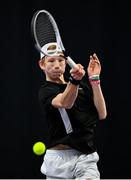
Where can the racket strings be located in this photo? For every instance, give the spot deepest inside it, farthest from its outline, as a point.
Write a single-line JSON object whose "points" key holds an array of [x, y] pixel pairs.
{"points": [[44, 30]]}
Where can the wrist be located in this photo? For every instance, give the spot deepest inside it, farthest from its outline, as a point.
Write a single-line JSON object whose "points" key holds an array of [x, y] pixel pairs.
{"points": [[94, 79], [74, 81]]}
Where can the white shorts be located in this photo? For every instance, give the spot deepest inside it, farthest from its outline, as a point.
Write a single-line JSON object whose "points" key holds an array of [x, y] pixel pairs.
{"points": [[70, 164]]}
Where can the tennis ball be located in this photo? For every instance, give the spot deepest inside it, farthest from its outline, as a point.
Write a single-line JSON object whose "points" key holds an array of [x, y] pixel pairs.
{"points": [[39, 148]]}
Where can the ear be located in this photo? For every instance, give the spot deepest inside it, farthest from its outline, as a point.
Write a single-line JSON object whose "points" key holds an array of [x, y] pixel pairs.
{"points": [[41, 64]]}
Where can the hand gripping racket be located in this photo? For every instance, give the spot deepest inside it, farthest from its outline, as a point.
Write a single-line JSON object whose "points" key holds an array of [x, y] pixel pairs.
{"points": [[46, 36]]}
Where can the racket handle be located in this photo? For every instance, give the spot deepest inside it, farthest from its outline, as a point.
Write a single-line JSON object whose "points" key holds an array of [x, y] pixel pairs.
{"points": [[71, 63]]}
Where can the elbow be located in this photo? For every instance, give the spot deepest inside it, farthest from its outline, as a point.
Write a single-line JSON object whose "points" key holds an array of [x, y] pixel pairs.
{"points": [[103, 116], [62, 105], [68, 106]]}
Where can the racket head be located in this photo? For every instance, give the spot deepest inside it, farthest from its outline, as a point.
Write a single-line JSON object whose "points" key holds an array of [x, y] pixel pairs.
{"points": [[45, 34]]}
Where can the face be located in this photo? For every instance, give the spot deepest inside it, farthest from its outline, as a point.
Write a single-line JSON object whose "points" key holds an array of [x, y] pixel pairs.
{"points": [[54, 67]]}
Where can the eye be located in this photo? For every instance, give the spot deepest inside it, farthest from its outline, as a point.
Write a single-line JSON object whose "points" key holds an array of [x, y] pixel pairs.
{"points": [[51, 60], [61, 60]]}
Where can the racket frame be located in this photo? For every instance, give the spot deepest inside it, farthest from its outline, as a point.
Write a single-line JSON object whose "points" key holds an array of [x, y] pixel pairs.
{"points": [[58, 43]]}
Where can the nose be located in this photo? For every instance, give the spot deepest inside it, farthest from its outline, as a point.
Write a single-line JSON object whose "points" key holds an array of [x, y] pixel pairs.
{"points": [[57, 65]]}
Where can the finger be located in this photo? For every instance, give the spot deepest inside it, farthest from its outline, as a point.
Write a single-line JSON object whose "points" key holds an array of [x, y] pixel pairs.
{"points": [[73, 70], [80, 66], [92, 62], [91, 57], [95, 57], [78, 73]]}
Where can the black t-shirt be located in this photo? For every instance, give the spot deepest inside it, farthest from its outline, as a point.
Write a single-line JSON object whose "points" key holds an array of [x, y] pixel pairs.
{"points": [[74, 127]]}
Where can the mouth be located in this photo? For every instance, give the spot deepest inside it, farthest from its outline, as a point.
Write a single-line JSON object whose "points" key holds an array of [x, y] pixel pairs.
{"points": [[57, 73]]}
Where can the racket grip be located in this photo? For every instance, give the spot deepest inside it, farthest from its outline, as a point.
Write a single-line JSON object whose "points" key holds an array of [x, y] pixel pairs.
{"points": [[71, 63]]}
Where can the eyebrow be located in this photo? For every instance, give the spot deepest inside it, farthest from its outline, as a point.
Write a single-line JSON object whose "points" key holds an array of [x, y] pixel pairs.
{"points": [[54, 57]]}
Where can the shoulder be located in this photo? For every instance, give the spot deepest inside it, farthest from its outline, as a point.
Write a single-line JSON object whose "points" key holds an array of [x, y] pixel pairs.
{"points": [[48, 85], [49, 89]]}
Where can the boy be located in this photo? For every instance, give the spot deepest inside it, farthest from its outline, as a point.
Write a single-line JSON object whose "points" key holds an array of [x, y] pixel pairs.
{"points": [[72, 110]]}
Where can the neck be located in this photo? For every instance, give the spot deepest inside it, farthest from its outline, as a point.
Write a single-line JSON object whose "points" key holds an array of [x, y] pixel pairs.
{"points": [[59, 80]]}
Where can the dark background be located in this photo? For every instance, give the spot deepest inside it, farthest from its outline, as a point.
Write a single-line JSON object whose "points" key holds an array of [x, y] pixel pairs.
{"points": [[86, 27]]}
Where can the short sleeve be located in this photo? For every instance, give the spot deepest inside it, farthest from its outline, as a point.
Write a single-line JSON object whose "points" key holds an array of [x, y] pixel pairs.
{"points": [[46, 95]]}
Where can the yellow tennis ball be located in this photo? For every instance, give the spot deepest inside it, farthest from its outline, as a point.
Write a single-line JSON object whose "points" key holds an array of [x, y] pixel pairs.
{"points": [[39, 148]]}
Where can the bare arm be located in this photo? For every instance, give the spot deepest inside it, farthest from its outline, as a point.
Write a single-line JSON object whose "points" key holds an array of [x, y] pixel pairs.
{"points": [[94, 69], [68, 97], [99, 101]]}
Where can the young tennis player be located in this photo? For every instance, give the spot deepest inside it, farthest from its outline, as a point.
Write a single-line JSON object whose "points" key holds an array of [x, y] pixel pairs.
{"points": [[72, 110]]}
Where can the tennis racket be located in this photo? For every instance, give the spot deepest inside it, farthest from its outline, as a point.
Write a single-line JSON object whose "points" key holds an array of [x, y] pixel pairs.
{"points": [[46, 36]]}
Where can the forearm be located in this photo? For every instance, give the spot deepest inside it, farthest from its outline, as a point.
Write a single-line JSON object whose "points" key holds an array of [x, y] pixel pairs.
{"points": [[99, 101], [67, 98], [69, 95], [94, 70]]}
